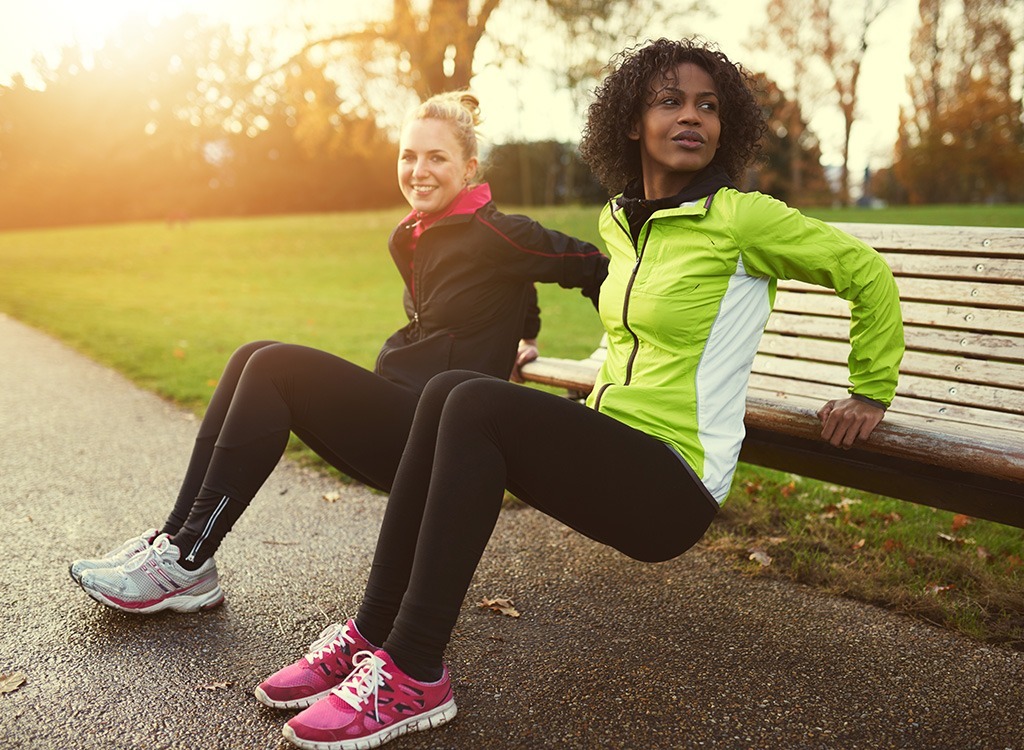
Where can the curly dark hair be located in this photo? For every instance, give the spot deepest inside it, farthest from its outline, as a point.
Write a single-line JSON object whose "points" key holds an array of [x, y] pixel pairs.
{"points": [[621, 98]]}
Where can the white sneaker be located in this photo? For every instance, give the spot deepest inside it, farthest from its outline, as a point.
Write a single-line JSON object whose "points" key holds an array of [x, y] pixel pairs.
{"points": [[153, 581], [117, 556]]}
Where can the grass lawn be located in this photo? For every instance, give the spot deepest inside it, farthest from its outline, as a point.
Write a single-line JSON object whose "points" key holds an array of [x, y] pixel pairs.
{"points": [[166, 305]]}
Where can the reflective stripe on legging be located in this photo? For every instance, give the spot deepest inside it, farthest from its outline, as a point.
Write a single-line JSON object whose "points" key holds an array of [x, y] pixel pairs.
{"points": [[208, 528]]}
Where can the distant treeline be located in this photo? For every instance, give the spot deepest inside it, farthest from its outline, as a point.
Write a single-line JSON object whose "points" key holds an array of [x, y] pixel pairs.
{"points": [[169, 122], [180, 120]]}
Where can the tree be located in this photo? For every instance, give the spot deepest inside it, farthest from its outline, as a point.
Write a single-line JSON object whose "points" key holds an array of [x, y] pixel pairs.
{"points": [[426, 48], [962, 138], [791, 167], [541, 173], [833, 37], [165, 122]]}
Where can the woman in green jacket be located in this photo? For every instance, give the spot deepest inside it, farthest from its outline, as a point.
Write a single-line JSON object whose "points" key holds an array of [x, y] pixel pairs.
{"points": [[645, 464]]}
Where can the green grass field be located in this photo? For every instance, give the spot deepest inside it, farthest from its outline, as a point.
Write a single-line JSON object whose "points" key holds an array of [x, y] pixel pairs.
{"points": [[166, 305]]}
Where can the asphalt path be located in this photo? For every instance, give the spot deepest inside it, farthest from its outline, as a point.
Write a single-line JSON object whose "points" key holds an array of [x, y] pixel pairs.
{"points": [[607, 652]]}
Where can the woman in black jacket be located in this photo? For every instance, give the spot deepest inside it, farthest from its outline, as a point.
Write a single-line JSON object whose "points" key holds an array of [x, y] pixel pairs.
{"points": [[469, 272]]}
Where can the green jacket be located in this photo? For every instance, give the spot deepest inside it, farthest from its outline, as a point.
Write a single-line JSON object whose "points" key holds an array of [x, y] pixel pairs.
{"points": [[685, 308]]}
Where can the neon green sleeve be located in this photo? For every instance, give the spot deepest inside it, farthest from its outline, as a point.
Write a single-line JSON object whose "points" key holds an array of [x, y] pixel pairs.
{"points": [[778, 241]]}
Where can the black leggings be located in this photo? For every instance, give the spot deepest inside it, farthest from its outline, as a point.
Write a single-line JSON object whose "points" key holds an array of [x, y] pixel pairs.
{"points": [[356, 420], [472, 437]]}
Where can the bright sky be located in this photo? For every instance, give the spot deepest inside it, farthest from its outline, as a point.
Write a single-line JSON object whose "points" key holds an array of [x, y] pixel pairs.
{"points": [[528, 108]]}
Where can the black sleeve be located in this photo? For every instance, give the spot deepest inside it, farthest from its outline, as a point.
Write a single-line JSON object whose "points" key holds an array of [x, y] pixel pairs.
{"points": [[533, 252], [531, 323]]}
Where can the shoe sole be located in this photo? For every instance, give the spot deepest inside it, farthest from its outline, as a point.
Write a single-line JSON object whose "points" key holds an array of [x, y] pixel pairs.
{"points": [[179, 603], [430, 720], [266, 700]]}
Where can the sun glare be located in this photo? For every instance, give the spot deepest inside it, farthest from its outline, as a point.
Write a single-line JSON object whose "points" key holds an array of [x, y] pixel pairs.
{"points": [[90, 24], [87, 24]]}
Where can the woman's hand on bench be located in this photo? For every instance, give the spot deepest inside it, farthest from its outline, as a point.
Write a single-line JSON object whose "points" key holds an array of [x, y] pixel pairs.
{"points": [[528, 351], [845, 421]]}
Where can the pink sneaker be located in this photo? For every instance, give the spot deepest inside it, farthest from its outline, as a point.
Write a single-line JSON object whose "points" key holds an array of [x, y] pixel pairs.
{"points": [[328, 662], [377, 703]]}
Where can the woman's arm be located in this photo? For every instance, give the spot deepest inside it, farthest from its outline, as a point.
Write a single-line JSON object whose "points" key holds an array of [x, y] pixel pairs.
{"points": [[532, 252], [790, 245]]}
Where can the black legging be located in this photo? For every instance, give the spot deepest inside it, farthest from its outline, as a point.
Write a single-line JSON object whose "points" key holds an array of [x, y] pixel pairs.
{"points": [[356, 420], [472, 437]]}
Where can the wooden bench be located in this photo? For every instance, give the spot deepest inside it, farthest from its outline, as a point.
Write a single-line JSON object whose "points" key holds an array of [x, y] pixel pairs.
{"points": [[954, 436]]}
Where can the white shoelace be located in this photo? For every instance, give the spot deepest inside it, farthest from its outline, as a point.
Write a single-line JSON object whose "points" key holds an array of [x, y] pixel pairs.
{"points": [[329, 639], [156, 549], [368, 677]]}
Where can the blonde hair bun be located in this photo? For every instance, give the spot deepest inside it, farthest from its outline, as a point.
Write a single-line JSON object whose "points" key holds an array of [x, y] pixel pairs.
{"points": [[461, 109]]}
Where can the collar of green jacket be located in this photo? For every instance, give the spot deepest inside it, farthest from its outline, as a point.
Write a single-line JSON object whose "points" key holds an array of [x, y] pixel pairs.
{"points": [[638, 209]]}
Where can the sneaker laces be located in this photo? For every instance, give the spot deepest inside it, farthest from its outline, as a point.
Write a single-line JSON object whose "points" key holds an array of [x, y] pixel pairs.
{"points": [[328, 641], [156, 549], [368, 677]]}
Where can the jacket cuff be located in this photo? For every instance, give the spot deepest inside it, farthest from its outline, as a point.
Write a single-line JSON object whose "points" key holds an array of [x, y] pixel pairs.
{"points": [[871, 401]]}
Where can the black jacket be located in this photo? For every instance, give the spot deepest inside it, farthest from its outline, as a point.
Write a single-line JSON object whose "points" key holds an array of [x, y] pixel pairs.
{"points": [[469, 291]]}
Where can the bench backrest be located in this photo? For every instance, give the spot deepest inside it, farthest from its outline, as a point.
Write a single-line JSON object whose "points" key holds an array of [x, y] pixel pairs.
{"points": [[962, 297]]}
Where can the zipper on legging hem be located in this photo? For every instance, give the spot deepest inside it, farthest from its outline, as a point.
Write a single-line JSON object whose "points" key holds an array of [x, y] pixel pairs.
{"points": [[208, 528]]}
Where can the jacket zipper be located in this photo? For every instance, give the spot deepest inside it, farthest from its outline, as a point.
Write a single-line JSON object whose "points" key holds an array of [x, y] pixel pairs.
{"points": [[416, 287], [625, 308], [379, 365]]}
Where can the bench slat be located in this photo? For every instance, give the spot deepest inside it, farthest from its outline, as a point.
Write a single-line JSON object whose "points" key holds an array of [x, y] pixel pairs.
{"points": [[799, 372], [925, 364], [986, 345], [937, 291], [898, 435], [914, 313], [954, 415], [965, 490], [986, 241], [571, 374], [957, 267]]}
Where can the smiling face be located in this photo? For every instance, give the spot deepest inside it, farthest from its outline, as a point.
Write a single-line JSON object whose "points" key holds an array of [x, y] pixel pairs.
{"points": [[678, 130], [432, 168]]}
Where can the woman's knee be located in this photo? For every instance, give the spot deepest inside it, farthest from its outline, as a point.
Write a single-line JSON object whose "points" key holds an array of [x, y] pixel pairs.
{"points": [[273, 356], [453, 393], [439, 387], [244, 353]]}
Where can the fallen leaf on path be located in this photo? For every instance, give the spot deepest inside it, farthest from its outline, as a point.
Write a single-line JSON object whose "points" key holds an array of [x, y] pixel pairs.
{"points": [[760, 556], [501, 605], [11, 682], [216, 686]]}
